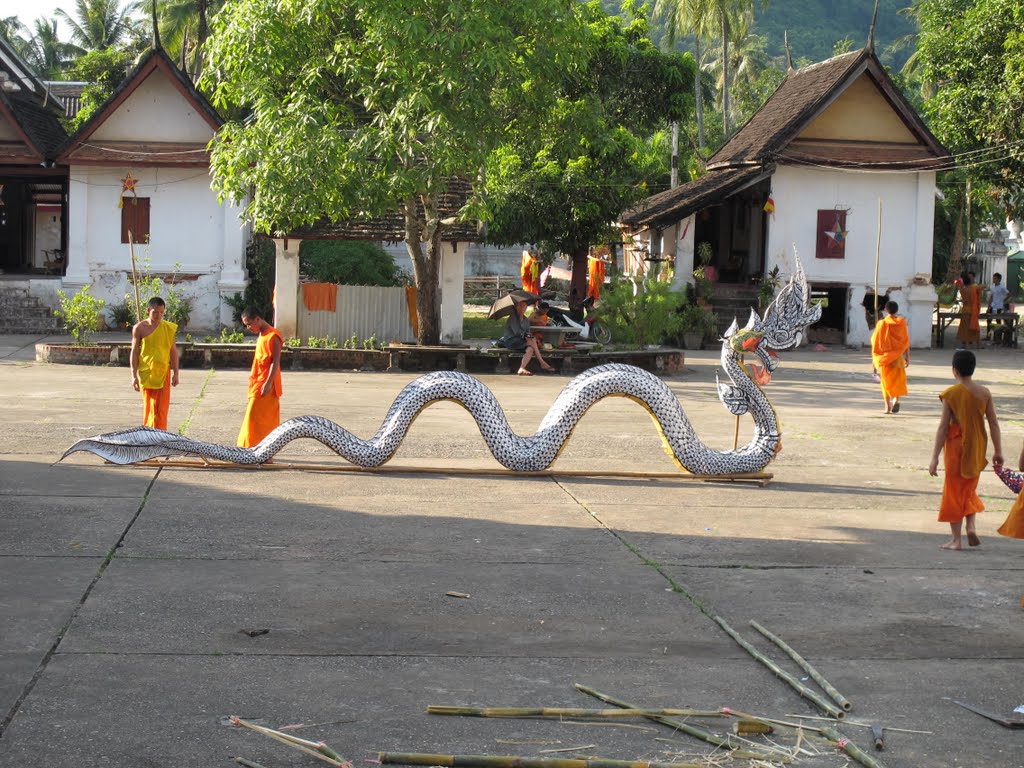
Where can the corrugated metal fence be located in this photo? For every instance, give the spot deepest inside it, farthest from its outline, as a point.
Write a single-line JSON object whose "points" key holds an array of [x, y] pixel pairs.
{"points": [[361, 310]]}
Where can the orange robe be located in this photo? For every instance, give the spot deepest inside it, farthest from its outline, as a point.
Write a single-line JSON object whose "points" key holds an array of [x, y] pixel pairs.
{"points": [[964, 455], [263, 412], [155, 374], [530, 273], [888, 343], [1014, 524], [595, 271], [968, 331]]}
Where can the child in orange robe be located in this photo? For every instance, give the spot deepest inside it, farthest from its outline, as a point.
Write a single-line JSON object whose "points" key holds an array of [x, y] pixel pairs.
{"points": [[154, 363], [961, 435], [263, 412], [890, 353]]}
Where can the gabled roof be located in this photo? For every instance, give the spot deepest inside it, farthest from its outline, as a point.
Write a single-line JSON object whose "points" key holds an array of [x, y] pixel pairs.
{"points": [[141, 153], [22, 75], [39, 128], [805, 94], [679, 202]]}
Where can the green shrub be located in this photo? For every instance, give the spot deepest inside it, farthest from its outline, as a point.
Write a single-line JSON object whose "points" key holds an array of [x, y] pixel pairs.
{"points": [[179, 306], [260, 262], [348, 262], [122, 315], [642, 314], [80, 314]]}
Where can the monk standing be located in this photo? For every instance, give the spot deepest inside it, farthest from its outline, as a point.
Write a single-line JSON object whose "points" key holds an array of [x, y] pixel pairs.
{"points": [[961, 434], [969, 330], [263, 413], [890, 353], [1013, 526], [154, 362]]}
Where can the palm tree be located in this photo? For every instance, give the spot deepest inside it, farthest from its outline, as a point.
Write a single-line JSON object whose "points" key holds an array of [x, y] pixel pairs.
{"points": [[47, 54], [184, 27], [747, 60], [683, 18], [99, 24]]}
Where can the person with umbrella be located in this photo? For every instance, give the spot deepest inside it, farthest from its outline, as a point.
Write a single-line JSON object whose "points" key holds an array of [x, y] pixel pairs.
{"points": [[518, 336]]}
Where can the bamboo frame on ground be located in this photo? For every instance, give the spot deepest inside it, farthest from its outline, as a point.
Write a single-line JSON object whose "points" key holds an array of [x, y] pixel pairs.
{"points": [[441, 709]]}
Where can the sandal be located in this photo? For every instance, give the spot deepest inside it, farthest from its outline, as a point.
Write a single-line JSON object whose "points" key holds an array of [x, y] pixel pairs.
{"points": [[523, 372]]}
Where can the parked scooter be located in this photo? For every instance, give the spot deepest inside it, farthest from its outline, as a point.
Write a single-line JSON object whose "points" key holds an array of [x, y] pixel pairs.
{"points": [[585, 319]]}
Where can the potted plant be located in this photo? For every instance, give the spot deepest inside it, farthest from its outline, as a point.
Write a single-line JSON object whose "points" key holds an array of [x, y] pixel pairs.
{"points": [[696, 323]]}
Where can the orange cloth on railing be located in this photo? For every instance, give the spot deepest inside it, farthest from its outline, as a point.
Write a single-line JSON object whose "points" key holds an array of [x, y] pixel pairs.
{"points": [[322, 297], [414, 319], [595, 270], [530, 272]]}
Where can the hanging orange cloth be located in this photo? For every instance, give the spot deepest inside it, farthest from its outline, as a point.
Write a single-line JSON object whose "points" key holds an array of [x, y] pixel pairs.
{"points": [[322, 297], [530, 273], [410, 300], [595, 272]]}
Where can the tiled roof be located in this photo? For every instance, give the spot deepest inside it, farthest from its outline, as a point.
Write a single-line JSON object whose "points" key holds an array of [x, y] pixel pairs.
{"points": [[678, 203], [40, 124]]}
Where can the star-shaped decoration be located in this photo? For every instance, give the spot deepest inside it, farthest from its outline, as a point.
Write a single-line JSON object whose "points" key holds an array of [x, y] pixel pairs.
{"points": [[836, 235], [128, 183]]}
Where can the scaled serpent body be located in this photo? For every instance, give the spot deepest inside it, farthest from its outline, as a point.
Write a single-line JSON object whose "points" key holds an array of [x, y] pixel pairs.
{"points": [[781, 328]]}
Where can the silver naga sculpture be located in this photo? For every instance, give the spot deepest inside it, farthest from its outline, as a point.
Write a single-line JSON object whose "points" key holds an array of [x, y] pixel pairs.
{"points": [[781, 328]]}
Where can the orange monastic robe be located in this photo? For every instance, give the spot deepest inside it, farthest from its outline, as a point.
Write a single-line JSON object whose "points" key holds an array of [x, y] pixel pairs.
{"points": [[263, 413], [595, 271], [530, 273], [968, 331], [1014, 524], [964, 459], [155, 374], [888, 343]]}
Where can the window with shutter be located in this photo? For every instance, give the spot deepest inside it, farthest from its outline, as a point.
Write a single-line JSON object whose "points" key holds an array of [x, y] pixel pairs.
{"points": [[135, 219]]}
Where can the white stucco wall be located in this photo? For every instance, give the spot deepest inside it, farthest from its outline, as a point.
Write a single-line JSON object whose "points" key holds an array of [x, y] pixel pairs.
{"points": [[155, 111], [907, 222], [187, 225]]}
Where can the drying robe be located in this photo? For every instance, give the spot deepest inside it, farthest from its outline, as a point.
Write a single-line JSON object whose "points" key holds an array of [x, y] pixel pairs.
{"points": [[155, 374], [263, 412], [889, 341], [964, 455]]}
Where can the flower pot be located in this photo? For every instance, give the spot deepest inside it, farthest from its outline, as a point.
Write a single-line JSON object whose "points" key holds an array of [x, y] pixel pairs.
{"points": [[692, 339]]}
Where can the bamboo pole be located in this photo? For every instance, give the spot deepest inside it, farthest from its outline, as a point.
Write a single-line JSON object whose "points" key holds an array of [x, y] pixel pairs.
{"points": [[440, 709], [858, 754], [135, 278], [816, 676], [510, 761], [813, 696], [247, 763], [315, 749], [679, 725], [794, 726], [878, 256]]}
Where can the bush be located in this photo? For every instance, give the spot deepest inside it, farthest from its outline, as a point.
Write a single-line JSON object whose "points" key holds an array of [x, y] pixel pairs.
{"points": [[80, 314], [642, 314], [260, 262], [348, 262], [179, 306]]}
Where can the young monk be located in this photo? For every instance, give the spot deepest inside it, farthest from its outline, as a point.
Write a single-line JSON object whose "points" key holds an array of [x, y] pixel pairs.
{"points": [[263, 413], [1013, 526], [961, 434], [890, 352], [154, 362]]}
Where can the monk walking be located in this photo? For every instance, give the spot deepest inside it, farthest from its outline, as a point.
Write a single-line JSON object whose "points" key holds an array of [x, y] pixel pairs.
{"points": [[154, 361], [969, 330], [890, 353], [961, 435], [263, 413]]}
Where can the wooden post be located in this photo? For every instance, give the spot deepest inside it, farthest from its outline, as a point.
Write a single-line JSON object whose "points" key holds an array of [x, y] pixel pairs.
{"points": [[135, 277]]}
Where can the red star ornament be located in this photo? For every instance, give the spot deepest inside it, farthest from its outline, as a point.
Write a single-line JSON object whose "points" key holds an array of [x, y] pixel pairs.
{"points": [[127, 185], [836, 235]]}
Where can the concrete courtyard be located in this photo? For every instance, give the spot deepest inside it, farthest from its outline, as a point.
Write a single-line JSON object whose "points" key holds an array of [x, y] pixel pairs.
{"points": [[134, 599]]}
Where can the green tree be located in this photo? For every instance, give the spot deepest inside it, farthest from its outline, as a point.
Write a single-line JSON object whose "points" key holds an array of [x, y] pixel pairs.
{"points": [[104, 70], [46, 53], [184, 28], [562, 187], [99, 24], [361, 109], [974, 51]]}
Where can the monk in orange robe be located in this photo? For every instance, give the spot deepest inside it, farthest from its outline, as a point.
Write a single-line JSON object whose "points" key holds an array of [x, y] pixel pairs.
{"points": [[1013, 526], [966, 406], [890, 353], [154, 363], [263, 413], [969, 330]]}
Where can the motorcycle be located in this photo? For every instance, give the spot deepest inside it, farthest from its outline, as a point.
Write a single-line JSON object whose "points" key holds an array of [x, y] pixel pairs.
{"points": [[584, 319]]}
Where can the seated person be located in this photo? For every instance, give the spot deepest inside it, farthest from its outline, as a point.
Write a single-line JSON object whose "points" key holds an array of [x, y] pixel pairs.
{"points": [[540, 317], [518, 337]]}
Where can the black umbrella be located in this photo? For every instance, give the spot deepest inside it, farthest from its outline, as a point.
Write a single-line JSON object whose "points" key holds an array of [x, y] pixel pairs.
{"points": [[505, 306]]}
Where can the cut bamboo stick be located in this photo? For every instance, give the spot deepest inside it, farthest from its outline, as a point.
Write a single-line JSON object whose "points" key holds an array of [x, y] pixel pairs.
{"points": [[816, 676], [316, 749], [679, 725], [813, 696], [858, 754], [441, 709], [858, 723], [510, 761], [247, 763], [773, 721]]}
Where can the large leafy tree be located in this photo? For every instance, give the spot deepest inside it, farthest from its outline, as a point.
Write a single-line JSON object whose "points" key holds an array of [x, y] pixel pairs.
{"points": [[563, 185], [973, 50], [362, 109]]}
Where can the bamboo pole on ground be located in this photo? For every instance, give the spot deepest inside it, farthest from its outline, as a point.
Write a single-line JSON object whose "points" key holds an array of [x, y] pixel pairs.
{"points": [[816, 676], [440, 709], [679, 725], [813, 696], [315, 749], [511, 761], [247, 763], [851, 749]]}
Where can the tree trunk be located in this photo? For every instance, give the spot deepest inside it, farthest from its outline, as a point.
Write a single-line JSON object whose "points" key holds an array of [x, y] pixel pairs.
{"points": [[699, 97], [425, 271], [578, 281], [202, 32], [725, 75]]}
